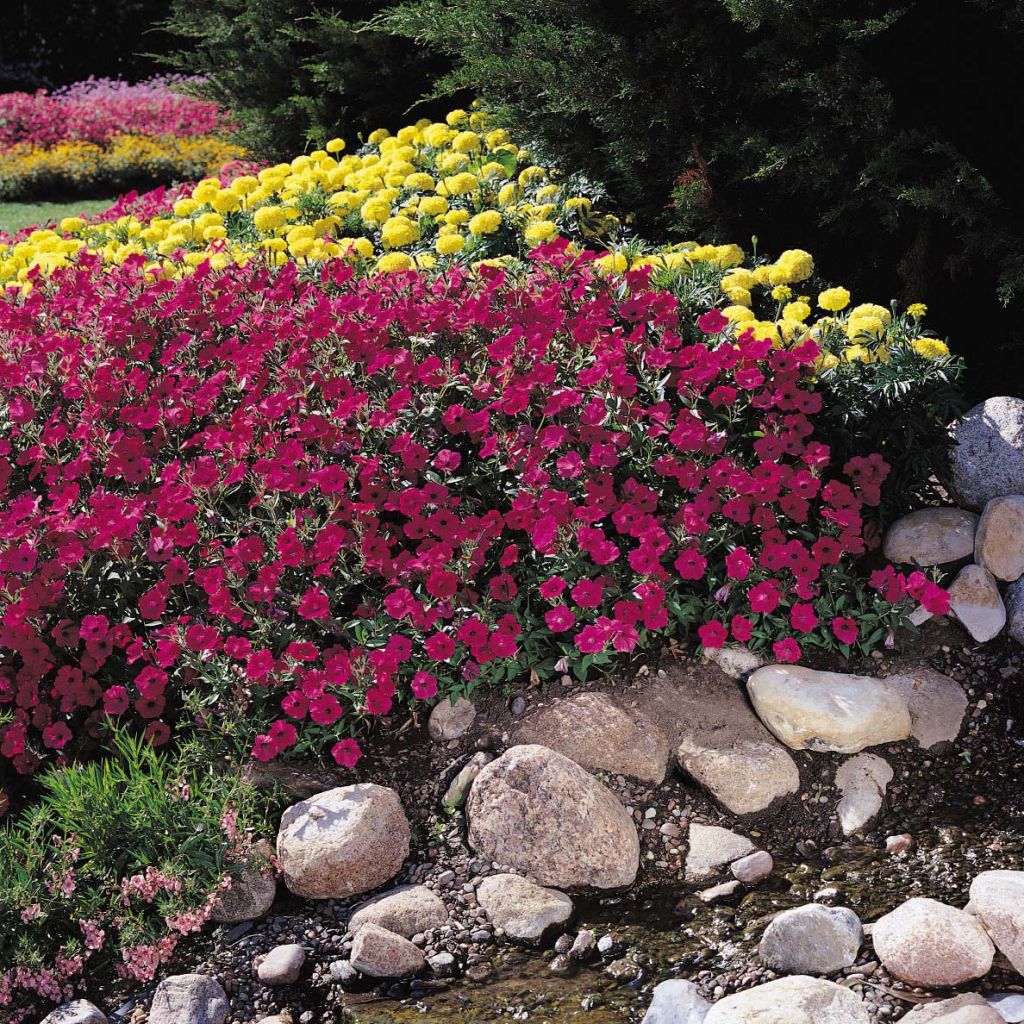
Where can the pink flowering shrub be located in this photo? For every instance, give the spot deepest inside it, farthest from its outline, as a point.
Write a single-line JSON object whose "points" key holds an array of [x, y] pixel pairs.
{"points": [[98, 109], [112, 867], [289, 501]]}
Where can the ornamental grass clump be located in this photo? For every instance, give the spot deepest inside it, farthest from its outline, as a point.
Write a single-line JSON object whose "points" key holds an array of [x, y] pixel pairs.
{"points": [[281, 503]]}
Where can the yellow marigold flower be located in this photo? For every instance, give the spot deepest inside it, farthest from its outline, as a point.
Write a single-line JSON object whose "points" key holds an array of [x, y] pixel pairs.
{"points": [[917, 310], [419, 181], [866, 323], [433, 206], [450, 243], [612, 263], [398, 232], [540, 231], [826, 361], [456, 217], [335, 145], [857, 353], [438, 135], [509, 194], [70, 225], [737, 296], [496, 138], [360, 246], [930, 348], [870, 309], [796, 311], [375, 211], [738, 278], [531, 174], [738, 314], [184, 207], [457, 117], [457, 185], [395, 261], [466, 142], [834, 299], [269, 218], [485, 223], [375, 138]]}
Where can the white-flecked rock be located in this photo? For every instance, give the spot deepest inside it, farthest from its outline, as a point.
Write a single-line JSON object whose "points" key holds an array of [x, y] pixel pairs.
{"points": [[811, 939], [999, 543], [997, 900], [79, 1011], [449, 721], [969, 1008], [931, 536], [282, 965], [1015, 610], [676, 1002], [711, 848], [736, 662], [406, 911], [797, 999], [753, 868], [378, 953], [936, 703], [599, 734], [191, 998], [745, 776], [862, 781], [809, 709], [987, 458], [975, 601], [924, 942], [526, 911], [343, 842], [251, 894], [537, 812]]}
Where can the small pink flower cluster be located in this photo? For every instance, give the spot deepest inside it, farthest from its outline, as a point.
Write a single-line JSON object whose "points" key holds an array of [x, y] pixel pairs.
{"points": [[96, 110]]}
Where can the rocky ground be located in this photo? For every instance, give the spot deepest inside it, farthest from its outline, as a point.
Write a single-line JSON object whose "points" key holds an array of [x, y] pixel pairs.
{"points": [[723, 827]]}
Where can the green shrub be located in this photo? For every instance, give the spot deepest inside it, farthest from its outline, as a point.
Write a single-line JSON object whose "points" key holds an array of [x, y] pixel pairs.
{"points": [[117, 860], [294, 72]]}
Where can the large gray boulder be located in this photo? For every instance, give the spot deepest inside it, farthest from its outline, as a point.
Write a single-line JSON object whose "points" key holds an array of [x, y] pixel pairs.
{"points": [[969, 1008], [931, 536], [999, 543], [810, 709], [188, 999], [936, 703], [406, 911], [676, 1002], [343, 842], [997, 899], [988, 452], [599, 734], [794, 1000], [536, 812], [525, 911], [811, 939], [927, 943]]}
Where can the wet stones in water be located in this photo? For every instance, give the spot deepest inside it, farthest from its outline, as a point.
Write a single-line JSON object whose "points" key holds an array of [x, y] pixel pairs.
{"points": [[719, 892], [811, 939], [449, 721], [676, 1002], [406, 911], [970, 1008], [987, 458], [343, 842], [712, 847], [810, 709], [899, 845], [188, 997], [999, 544], [525, 911], [997, 899], [793, 1000], [931, 536], [380, 953], [753, 868], [975, 601], [862, 781], [456, 794], [924, 942], [584, 946], [80, 1011], [537, 812], [442, 964], [599, 734], [282, 965]]}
